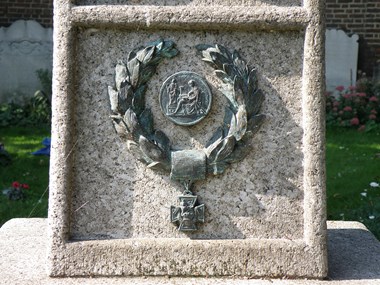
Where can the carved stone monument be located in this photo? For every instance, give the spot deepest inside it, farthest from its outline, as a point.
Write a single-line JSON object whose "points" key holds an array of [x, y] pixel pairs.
{"points": [[188, 139]]}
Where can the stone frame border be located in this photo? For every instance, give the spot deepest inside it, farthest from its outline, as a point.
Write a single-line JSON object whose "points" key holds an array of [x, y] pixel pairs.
{"points": [[269, 258]]}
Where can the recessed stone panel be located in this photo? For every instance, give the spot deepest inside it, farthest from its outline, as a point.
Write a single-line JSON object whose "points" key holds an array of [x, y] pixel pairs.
{"points": [[112, 211]]}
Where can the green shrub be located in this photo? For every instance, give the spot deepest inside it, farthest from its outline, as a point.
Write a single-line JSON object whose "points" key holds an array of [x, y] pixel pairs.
{"points": [[357, 107], [36, 111]]}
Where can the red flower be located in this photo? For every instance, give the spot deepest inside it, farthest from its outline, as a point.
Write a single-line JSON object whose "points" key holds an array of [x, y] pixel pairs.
{"points": [[336, 103], [362, 94], [373, 99], [25, 186], [352, 88], [372, 117], [361, 128], [339, 88], [15, 184], [354, 121], [347, 109]]}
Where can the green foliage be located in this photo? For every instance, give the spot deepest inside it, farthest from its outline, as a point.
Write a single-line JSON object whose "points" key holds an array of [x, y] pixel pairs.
{"points": [[357, 107], [352, 162], [35, 112], [19, 142]]}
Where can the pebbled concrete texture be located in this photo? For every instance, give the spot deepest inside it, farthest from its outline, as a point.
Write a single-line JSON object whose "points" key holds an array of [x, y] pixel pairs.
{"points": [[108, 213], [354, 259]]}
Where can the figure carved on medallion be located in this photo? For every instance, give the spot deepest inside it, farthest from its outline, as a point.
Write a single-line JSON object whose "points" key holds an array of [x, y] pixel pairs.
{"points": [[185, 98]]}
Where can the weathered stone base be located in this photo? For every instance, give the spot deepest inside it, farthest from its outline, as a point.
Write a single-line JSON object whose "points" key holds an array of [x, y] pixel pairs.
{"points": [[354, 258]]}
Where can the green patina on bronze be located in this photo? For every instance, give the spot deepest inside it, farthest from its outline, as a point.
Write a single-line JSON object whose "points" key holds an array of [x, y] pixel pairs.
{"points": [[229, 143]]}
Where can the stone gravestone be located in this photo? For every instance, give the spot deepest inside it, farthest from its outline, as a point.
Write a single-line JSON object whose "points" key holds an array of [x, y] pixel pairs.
{"points": [[341, 59], [25, 47], [188, 139]]}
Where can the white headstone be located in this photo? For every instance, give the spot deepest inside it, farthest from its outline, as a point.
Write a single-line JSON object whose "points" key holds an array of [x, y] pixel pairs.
{"points": [[341, 58], [25, 47]]}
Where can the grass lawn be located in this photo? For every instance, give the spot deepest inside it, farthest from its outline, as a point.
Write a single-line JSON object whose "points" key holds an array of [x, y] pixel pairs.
{"points": [[353, 163], [25, 168]]}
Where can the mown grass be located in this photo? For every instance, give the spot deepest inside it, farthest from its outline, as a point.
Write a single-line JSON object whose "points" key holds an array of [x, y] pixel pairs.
{"points": [[353, 163], [25, 168]]}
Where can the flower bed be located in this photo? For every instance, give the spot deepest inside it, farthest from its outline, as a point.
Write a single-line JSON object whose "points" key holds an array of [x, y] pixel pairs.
{"points": [[357, 106]]}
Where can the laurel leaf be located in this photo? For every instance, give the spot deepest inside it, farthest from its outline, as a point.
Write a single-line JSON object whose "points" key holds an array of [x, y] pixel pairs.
{"points": [[138, 101], [114, 99], [241, 123], [151, 150], [168, 49], [132, 123], [255, 122], [238, 90], [146, 121], [162, 141], [146, 73], [213, 150], [214, 144], [218, 59], [120, 74], [217, 136], [126, 95], [230, 70], [217, 168], [131, 55], [121, 129], [203, 47], [229, 93], [239, 64], [224, 51], [226, 149], [240, 152], [149, 52], [232, 126], [254, 103], [135, 74]]}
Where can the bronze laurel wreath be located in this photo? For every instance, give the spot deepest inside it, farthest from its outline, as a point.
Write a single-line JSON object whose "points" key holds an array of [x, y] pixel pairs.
{"points": [[134, 122]]}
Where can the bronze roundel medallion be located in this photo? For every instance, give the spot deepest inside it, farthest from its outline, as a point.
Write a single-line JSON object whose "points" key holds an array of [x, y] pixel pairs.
{"points": [[185, 98]]}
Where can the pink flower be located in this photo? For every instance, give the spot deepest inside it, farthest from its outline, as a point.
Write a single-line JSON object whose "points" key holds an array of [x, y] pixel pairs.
{"points": [[354, 122], [347, 96], [362, 94], [373, 99], [336, 103], [25, 186], [373, 111], [339, 88], [372, 117], [335, 109], [361, 128], [347, 109], [15, 184], [352, 88]]}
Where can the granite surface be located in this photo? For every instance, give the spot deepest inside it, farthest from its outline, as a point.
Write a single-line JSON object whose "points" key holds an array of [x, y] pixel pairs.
{"points": [[354, 259], [108, 213], [248, 201]]}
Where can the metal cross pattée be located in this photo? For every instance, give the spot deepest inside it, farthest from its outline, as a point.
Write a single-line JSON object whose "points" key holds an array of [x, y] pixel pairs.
{"points": [[187, 214]]}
